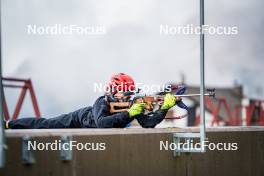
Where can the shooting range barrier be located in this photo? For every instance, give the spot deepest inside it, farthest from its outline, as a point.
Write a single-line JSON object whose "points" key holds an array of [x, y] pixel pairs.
{"points": [[134, 152]]}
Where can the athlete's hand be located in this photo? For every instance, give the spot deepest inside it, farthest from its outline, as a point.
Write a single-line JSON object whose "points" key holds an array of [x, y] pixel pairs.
{"points": [[136, 109], [169, 101]]}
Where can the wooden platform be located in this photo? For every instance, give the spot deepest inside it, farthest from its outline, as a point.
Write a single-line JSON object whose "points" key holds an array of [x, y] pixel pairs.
{"points": [[137, 152]]}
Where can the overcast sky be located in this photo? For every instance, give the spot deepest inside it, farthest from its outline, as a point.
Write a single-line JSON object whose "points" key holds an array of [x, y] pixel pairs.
{"points": [[63, 68]]}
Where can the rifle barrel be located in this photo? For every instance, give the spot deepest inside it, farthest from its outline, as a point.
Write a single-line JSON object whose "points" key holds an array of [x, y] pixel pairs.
{"points": [[193, 95]]}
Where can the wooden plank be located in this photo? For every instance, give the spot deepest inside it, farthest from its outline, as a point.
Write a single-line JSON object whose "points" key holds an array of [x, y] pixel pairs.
{"points": [[136, 152], [118, 131]]}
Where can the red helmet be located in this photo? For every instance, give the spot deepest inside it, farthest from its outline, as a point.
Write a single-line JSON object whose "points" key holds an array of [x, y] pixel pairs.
{"points": [[121, 82]]}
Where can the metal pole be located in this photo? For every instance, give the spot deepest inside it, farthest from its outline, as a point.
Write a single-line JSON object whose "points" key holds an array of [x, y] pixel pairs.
{"points": [[202, 84], [2, 135]]}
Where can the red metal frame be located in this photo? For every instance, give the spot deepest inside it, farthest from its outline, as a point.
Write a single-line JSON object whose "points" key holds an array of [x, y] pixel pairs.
{"points": [[24, 85], [234, 118], [250, 110], [237, 115], [216, 111]]}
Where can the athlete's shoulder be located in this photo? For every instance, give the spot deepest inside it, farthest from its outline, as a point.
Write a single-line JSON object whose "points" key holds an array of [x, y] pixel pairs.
{"points": [[100, 101]]}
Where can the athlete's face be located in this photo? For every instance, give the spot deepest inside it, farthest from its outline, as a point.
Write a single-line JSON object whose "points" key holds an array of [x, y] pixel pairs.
{"points": [[122, 97]]}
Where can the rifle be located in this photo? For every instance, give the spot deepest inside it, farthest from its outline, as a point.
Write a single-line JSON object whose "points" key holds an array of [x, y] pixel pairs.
{"points": [[154, 101]]}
